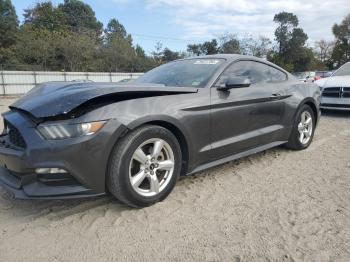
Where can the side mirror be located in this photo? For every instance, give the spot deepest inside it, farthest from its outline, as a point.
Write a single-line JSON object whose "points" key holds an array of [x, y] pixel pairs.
{"points": [[235, 82]]}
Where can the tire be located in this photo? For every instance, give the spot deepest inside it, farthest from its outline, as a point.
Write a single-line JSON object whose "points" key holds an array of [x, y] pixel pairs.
{"points": [[132, 178], [295, 139]]}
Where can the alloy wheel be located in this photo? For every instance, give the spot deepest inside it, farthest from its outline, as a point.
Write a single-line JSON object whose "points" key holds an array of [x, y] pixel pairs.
{"points": [[151, 167], [305, 127]]}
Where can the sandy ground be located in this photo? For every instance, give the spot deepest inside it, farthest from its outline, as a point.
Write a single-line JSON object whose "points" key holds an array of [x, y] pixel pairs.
{"points": [[278, 205]]}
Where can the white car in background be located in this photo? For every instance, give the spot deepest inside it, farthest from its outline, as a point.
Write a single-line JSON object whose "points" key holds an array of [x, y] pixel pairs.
{"points": [[308, 76], [336, 89]]}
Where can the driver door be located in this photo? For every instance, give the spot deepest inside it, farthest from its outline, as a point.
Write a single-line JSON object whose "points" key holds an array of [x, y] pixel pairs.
{"points": [[246, 117]]}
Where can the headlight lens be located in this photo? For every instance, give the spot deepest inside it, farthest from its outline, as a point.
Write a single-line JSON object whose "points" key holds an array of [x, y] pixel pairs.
{"points": [[64, 131]]}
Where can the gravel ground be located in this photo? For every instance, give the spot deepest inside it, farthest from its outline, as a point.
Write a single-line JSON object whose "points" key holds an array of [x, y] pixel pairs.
{"points": [[278, 205]]}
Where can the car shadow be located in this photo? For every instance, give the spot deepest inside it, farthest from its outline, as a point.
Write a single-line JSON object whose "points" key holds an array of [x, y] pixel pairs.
{"points": [[54, 209], [59, 209]]}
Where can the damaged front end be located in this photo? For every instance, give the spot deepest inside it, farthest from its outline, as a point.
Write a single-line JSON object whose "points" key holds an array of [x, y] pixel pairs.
{"points": [[57, 139], [35, 165], [62, 99]]}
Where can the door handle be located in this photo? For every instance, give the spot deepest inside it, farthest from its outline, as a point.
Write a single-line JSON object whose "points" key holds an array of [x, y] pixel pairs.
{"points": [[276, 95]]}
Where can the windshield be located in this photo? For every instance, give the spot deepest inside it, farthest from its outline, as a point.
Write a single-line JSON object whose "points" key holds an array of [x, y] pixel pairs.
{"points": [[185, 73], [343, 71]]}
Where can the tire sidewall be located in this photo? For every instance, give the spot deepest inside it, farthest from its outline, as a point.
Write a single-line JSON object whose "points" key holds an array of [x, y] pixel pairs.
{"points": [[124, 164]]}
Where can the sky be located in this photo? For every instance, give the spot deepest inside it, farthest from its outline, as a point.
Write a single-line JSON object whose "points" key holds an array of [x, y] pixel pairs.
{"points": [[177, 23]]}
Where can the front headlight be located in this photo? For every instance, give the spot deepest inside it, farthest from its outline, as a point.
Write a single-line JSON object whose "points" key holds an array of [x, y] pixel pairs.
{"points": [[64, 131]]}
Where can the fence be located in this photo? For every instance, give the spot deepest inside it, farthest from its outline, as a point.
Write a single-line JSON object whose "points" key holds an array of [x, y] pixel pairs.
{"points": [[20, 82]]}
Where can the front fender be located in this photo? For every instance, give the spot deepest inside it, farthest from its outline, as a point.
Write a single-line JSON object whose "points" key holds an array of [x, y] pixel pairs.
{"points": [[161, 118], [315, 105]]}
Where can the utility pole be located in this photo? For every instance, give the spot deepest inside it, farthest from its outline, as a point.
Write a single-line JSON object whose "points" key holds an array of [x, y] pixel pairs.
{"points": [[3, 82]]}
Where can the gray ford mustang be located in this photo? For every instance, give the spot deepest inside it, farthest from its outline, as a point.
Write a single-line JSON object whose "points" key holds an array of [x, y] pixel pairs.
{"points": [[134, 140]]}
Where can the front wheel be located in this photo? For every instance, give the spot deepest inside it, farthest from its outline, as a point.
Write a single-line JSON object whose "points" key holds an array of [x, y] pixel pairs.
{"points": [[303, 129], [144, 166]]}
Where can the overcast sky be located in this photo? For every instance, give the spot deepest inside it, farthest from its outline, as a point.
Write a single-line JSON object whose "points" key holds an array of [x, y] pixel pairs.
{"points": [[177, 23]]}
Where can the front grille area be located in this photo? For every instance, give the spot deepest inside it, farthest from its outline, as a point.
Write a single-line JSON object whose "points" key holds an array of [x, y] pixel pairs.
{"points": [[58, 180], [346, 92], [15, 136], [331, 92], [337, 92]]}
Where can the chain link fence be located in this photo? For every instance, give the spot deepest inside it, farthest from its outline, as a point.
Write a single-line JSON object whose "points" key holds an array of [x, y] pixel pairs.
{"points": [[20, 82]]}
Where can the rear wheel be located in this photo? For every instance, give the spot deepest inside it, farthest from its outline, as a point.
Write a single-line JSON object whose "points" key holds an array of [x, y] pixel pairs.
{"points": [[144, 166], [303, 129]]}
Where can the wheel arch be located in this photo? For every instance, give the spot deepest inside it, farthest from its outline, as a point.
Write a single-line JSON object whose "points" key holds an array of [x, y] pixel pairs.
{"points": [[174, 127], [312, 104], [314, 109]]}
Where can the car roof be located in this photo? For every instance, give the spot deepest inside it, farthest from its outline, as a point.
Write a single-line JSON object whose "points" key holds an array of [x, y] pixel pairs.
{"points": [[232, 57], [226, 56]]}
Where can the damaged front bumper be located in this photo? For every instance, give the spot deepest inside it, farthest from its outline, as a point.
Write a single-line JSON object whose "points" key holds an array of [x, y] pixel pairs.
{"points": [[84, 159], [31, 186]]}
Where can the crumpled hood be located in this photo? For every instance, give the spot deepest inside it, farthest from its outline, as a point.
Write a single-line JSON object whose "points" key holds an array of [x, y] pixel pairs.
{"points": [[334, 81], [59, 98]]}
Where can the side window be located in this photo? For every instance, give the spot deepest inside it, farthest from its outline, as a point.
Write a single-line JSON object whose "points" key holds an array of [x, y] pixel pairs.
{"points": [[276, 75], [238, 69], [255, 71]]}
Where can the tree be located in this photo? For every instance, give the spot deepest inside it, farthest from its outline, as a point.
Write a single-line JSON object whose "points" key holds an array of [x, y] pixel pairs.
{"points": [[80, 17], [229, 44], [210, 47], [77, 51], [118, 55], [194, 49], [46, 16], [9, 59], [303, 60], [8, 24], [296, 52], [323, 50], [140, 52], [69, 37], [36, 47], [158, 53], [259, 47], [283, 33], [141, 62], [262, 47], [115, 29], [206, 48], [169, 55], [161, 56], [341, 51], [72, 15], [292, 52]]}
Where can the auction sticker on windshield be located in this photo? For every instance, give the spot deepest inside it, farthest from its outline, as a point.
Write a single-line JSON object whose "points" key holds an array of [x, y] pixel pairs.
{"points": [[206, 62]]}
